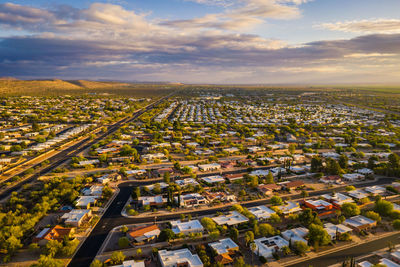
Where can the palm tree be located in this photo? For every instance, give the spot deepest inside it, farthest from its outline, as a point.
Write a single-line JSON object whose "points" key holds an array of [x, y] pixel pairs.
{"points": [[253, 247]]}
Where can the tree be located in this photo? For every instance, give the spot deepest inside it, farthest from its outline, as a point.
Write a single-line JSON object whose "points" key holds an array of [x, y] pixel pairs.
{"points": [[286, 250], [48, 261], [292, 148], [332, 167], [316, 164], [350, 209], [276, 201], [383, 207], [96, 263], [239, 262], [167, 177], [253, 181], [394, 160], [270, 178], [52, 247], [300, 248], [266, 229], [234, 234], [166, 235], [209, 224], [318, 236], [124, 229], [308, 217], [136, 193], [304, 194], [350, 188], [396, 224], [117, 257], [249, 237], [343, 161], [139, 252], [373, 216], [123, 242], [274, 218]]}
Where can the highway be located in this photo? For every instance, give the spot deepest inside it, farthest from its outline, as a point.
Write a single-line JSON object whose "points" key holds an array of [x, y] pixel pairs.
{"points": [[113, 218], [74, 150]]}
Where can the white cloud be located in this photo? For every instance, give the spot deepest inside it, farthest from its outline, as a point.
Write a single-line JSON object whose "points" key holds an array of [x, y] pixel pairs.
{"points": [[388, 26]]}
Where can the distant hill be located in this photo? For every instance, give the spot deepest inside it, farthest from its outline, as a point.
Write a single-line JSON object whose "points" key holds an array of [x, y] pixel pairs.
{"points": [[13, 86]]}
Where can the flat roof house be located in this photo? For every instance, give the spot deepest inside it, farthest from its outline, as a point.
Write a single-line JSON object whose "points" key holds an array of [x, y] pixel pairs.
{"points": [[267, 246], [143, 233], [76, 217], [86, 201], [261, 212], [179, 258], [359, 223], [233, 218], [193, 226], [209, 167], [224, 249], [152, 201], [295, 234], [335, 230], [213, 179]]}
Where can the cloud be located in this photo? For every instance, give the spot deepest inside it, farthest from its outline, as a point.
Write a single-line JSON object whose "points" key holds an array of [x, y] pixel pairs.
{"points": [[365, 26], [107, 41], [242, 14]]}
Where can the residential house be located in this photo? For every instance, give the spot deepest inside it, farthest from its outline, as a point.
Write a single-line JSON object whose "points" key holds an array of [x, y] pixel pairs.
{"points": [[359, 223], [213, 179], [337, 199], [85, 202], [261, 212], [335, 230], [268, 189], [192, 200], [55, 233], [189, 227], [179, 258], [152, 201], [295, 234], [225, 249], [209, 167], [290, 207], [143, 233], [76, 217], [233, 218], [266, 246]]}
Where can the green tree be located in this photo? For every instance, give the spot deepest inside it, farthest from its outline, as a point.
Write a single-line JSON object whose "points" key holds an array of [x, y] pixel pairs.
{"points": [[396, 224], [166, 235], [96, 263], [350, 209], [300, 248], [136, 193], [276, 201], [123, 242], [209, 224], [48, 261], [167, 177], [270, 178], [266, 229], [383, 207], [308, 217], [318, 236], [234, 234], [373, 215], [343, 161], [117, 257], [249, 237]]}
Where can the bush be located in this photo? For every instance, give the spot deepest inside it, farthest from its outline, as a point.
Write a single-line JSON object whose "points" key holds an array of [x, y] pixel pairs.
{"points": [[396, 224], [263, 260]]}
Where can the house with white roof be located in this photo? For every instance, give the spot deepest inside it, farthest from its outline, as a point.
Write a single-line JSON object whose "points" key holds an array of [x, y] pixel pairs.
{"points": [[178, 258], [224, 246], [338, 229], [94, 190], [375, 190], [359, 223], [151, 201], [365, 171], [192, 200], [388, 263], [187, 181], [213, 179], [88, 162], [261, 212], [193, 226], [209, 167], [337, 199], [358, 194], [295, 234], [353, 177], [131, 263], [86, 202], [233, 218], [266, 246], [290, 207], [76, 217]]}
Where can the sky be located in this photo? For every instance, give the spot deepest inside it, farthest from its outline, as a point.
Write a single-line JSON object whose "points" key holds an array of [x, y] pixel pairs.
{"points": [[203, 41]]}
